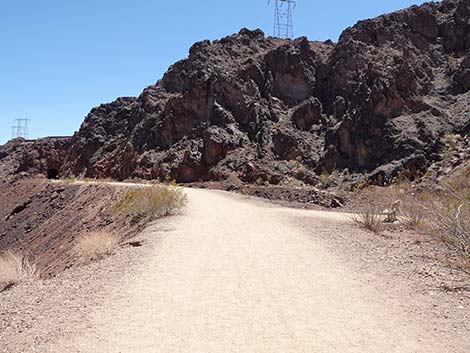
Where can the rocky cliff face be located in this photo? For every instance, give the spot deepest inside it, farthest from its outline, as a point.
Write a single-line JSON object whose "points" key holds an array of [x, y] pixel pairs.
{"points": [[43, 156], [400, 76], [236, 105], [272, 110]]}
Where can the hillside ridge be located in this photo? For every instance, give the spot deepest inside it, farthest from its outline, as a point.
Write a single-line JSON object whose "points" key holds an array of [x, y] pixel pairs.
{"points": [[268, 110]]}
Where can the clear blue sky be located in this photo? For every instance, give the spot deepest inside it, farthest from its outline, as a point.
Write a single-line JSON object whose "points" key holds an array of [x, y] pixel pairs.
{"points": [[59, 58]]}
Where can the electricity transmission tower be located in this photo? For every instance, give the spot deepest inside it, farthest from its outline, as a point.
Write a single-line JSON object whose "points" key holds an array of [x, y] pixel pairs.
{"points": [[20, 129], [283, 25]]}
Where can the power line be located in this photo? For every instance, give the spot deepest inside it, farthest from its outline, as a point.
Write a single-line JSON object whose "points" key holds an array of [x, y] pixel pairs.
{"points": [[20, 129], [283, 23]]}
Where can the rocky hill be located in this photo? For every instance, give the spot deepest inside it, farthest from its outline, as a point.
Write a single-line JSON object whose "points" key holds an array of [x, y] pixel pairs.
{"points": [[45, 156], [263, 109]]}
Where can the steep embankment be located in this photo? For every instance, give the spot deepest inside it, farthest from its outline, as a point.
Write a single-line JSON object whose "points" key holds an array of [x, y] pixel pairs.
{"points": [[266, 110], [42, 220]]}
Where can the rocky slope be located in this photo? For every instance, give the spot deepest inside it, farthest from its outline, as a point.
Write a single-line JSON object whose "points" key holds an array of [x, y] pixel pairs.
{"points": [[43, 220], [267, 110]]}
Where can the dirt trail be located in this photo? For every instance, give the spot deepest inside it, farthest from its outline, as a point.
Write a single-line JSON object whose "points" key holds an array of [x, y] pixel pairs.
{"points": [[237, 275]]}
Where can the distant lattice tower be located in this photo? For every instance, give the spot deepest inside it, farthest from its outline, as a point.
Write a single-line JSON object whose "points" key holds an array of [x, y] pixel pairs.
{"points": [[20, 129], [283, 24]]}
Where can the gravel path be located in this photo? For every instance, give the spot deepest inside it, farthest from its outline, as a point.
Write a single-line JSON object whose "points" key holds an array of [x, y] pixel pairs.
{"points": [[236, 275]]}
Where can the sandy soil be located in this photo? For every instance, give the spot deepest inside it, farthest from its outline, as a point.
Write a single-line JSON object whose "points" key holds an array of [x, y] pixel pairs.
{"points": [[233, 274]]}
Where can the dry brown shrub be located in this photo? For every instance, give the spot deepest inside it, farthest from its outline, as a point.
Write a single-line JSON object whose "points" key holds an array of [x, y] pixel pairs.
{"points": [[149, 203], [95, 246], [370, 218], [14, 269], [412, 213], [449, 222], [439, 210], [448, 218]]}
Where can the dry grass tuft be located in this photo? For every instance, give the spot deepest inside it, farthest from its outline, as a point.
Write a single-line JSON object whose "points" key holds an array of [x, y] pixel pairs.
{"points": [[412, 214], [14, 269], [95, 246], [149, 203], [370, 219]]}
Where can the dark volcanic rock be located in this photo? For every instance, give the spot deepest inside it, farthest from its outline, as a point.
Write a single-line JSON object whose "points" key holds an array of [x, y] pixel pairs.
{"points": [[264, 109], [44, 156], [392, 74], [307, 114], [242, 93], [461, 77]]}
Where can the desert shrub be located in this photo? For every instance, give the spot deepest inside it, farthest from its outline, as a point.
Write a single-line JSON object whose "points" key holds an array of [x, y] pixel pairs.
{"points": [[14, 269], [411, 212], [370, 219], [151, 202], [449, 221], [412, 215], [69, 179], [448, 216], [95, 246], [324, 179], [450, 224]]}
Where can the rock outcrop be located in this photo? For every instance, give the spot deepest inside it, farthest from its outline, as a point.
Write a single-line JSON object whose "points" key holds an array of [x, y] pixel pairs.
{"points": [[43, 156], [269, 110]]}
